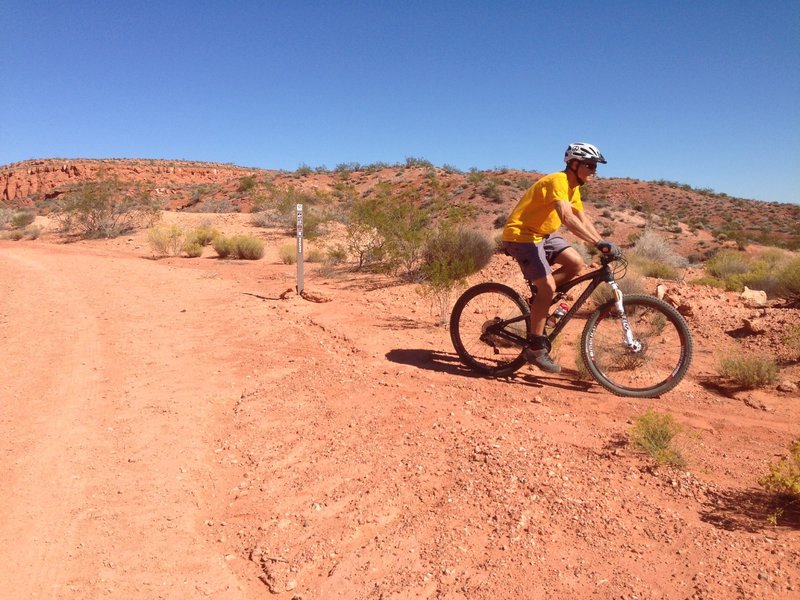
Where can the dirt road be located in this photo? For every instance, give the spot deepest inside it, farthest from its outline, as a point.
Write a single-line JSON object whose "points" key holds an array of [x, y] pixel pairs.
{"points": [[174, 429]]}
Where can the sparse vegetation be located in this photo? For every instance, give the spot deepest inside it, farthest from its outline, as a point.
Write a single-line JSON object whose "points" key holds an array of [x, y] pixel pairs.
{"points": [[288, 253], [166, 239], [784, 475], [22, 219], [449, 257], [749, 371], [243, 247], [106, 208], [654, 434]]}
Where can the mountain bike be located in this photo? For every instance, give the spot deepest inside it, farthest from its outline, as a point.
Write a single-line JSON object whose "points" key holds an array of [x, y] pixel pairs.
{"points": [[633, 345]]}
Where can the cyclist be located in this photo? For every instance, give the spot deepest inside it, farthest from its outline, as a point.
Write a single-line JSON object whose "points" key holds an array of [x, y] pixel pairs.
{"points": [[530, 238]]}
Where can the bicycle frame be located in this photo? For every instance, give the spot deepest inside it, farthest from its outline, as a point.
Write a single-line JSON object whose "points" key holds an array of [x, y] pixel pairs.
{"points": [[596, 277]]}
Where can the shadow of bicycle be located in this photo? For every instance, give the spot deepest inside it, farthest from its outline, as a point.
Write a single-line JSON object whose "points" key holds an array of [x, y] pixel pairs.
{"points": [[448, 362]]}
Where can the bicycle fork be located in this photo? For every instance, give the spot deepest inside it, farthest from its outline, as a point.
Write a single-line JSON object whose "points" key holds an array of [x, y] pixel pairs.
{"points": [[630, 342]]}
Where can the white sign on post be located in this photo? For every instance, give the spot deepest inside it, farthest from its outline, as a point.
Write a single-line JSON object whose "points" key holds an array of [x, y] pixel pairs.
{"points": [[299, 248]]}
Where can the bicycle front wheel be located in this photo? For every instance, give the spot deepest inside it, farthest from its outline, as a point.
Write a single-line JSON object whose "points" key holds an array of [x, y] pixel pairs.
{"points": [[654, 363], [489, 328]]}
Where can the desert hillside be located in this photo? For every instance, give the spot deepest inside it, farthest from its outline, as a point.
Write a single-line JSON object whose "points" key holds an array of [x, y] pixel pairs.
{"points": [[698, 221]]}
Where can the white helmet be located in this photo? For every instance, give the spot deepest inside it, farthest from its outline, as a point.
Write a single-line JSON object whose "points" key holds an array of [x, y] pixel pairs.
{"points": [[583, 152]]}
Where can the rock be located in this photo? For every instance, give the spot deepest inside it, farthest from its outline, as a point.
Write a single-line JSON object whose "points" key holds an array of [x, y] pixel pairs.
{"points": [[788, 386], [755, 326], [754, 297], [661, 289]]}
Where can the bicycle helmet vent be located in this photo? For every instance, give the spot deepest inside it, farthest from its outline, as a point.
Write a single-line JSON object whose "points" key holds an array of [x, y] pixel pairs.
{"points": [[583, 151]]}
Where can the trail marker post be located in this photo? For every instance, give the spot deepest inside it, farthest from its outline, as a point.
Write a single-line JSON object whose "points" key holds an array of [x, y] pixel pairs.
{"points": [[299, 248]]}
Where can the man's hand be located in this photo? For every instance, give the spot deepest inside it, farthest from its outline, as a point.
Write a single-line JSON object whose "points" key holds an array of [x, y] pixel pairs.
{"points": [[608, 249]]}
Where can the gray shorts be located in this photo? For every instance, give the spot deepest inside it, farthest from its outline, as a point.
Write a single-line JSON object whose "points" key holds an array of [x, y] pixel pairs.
{"points": [[535, 259]]}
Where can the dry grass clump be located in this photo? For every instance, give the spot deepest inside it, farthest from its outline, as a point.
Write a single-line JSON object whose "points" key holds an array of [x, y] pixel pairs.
{"points": [[166, 239], [749, 371], [654, 434], [243, 247]]}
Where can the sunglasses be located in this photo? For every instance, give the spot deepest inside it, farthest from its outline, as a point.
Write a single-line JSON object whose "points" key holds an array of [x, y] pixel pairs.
{"points": [[591, 166]]}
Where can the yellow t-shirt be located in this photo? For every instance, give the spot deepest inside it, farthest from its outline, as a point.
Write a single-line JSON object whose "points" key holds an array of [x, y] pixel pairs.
{"points": [[535, 216]]}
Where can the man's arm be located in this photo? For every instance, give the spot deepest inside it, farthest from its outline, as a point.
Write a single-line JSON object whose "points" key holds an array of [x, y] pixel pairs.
{"points": [[577, 222]]}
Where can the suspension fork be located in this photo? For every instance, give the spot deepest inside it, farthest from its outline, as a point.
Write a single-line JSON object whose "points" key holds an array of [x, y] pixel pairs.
{"points": [[626, 326]]}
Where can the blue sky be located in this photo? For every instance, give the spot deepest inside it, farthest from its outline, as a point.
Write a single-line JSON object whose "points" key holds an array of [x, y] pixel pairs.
{"points": [[704, 93]]}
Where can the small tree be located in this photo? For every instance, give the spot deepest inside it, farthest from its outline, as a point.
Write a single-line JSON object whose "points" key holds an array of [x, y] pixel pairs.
{"points": [[107, 207], [449, 257]]}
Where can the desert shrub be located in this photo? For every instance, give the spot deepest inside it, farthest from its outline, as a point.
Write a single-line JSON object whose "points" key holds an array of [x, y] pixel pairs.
{"points": [[789, 279], [749, 371], [652, 268], [288, 253], [202, 235], [223, 246], [792, 339], [654, 434], [106, 208], [22, 219], [449, 257], [247, 183], [727, 263], [33, 232], [313, 255], [14, 235], [193, 249], [248, 247], [710, 281], [651, 246], [784, 475], [166, 239], [6, 214]]}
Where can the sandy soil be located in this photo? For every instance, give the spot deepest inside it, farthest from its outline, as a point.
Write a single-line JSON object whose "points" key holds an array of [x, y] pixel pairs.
{"points": [[174, 429]]}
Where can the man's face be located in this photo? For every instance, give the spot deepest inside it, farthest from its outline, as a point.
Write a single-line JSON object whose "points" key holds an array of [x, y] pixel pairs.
{"points": [[587, 170]]}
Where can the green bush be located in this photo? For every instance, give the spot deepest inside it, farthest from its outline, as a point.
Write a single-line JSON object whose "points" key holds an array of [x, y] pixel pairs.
{"points": [[288, 253], [789, 279], [449, 257], [202, 235], [193, 249], [106, 208], [710, 281], [223, 246], [727, 263], [247, 247], [652, 268], [749, 371], [166, 239], [654, 433], [784, 476], [22, 219]]}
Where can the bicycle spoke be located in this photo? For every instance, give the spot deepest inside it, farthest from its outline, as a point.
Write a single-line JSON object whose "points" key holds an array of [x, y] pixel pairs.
{"points": [[660, 354], [488, 328]]}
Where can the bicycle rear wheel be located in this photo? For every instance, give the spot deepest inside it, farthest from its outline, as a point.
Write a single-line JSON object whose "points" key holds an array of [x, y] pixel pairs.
{"points": [[489, 327], [659, 358]]}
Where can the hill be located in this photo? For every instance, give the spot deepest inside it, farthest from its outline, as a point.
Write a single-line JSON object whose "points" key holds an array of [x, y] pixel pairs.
{"points": [[698, 221]]}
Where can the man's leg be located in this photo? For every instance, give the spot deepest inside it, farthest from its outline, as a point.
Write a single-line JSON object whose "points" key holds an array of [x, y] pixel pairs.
{"points": [[570, 265], [538, 350]]}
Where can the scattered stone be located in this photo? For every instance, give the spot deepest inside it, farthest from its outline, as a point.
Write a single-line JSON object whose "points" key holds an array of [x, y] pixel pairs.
{"points": [[755, 326], [788, 386], [754, 297]]}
